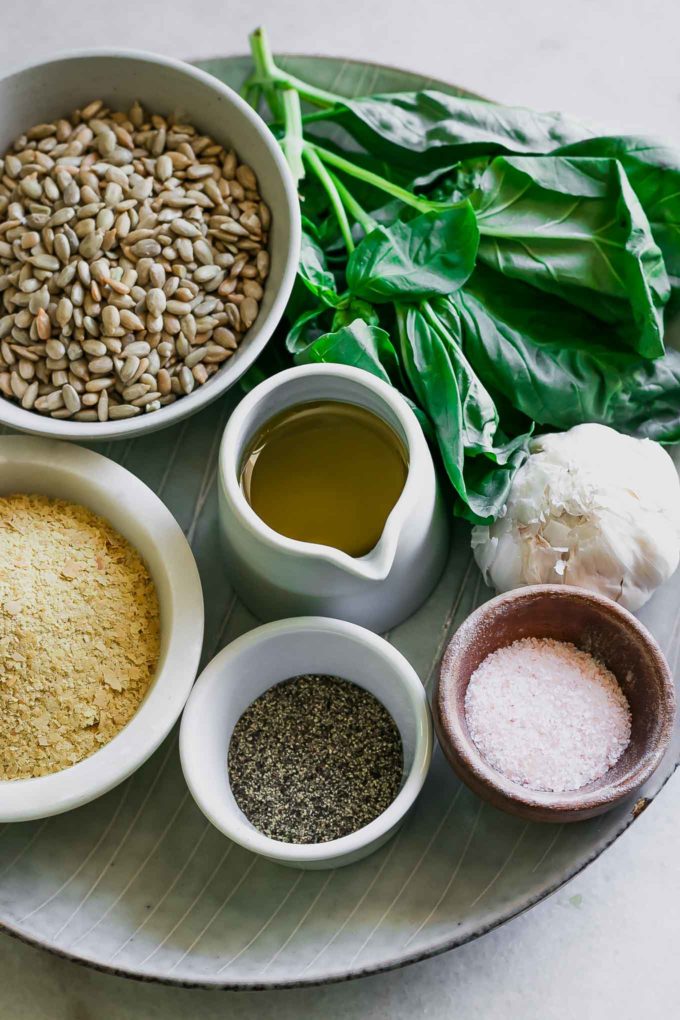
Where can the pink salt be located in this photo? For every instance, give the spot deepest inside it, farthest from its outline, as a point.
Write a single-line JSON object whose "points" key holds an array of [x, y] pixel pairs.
{"points": [[547, 715]]}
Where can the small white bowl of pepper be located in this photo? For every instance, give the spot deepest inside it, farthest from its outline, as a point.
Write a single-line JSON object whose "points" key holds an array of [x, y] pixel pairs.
{"points": [[307, 741]]}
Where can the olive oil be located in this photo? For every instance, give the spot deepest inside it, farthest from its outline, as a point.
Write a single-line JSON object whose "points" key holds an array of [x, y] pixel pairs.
{"points": [[325, 472]]}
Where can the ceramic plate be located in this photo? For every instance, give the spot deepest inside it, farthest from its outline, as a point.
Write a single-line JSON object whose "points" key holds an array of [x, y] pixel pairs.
{"points": [[139, 882]]}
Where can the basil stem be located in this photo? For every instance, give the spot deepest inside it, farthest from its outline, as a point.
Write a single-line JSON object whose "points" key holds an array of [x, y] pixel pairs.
{"points": [[267, 73], [407, 197], [331, 190]]}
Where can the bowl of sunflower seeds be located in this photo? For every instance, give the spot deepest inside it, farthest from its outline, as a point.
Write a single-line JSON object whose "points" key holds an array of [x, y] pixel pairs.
{"points": [[149, 237]]}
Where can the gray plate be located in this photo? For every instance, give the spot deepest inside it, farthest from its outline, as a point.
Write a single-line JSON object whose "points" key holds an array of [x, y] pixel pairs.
{"points": [[139, 883]]}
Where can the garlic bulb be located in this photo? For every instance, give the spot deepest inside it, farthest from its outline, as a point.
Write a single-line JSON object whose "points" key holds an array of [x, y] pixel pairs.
{"points": [[589, 507]]}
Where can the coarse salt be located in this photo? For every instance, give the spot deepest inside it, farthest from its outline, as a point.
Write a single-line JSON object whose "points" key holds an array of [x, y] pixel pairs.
{"points": [[547, 715]]}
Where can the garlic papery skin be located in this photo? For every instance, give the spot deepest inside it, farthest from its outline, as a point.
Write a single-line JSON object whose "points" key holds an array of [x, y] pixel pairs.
{"points": [[589, 507]]}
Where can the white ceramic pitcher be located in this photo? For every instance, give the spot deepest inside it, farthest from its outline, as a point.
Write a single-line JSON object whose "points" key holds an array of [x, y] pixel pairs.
{"points": [[279, 577]]}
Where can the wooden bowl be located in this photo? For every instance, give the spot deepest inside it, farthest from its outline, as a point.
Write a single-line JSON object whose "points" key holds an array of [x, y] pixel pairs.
{"points": [[593, 623]]}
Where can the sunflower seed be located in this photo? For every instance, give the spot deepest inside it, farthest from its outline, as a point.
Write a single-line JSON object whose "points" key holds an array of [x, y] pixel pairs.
{"points": [[101, 365], [148, 398], [48, 262], [186, 379], [147, 248], [130, 321], [156, 301], [92, 327], [120, 411], [50, 402], [138, 348], [29, 397], [249, 309], [131, 393], [71, 398], [96, 348], [55, 350]]}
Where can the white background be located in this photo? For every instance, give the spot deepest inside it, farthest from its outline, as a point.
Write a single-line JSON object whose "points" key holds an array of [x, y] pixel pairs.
{"points": [[606, 945]]}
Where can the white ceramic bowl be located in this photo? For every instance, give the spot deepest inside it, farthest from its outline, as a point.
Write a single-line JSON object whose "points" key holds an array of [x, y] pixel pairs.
{"points": [[70, 472], [42, 92], [264, 657]]}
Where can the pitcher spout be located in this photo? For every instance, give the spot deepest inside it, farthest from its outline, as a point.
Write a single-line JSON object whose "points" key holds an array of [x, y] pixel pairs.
{"points": [[376, 564]]}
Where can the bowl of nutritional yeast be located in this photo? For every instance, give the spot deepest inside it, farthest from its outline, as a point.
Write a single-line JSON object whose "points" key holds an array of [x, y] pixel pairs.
{"points": [[101, 625], [149, 233]]}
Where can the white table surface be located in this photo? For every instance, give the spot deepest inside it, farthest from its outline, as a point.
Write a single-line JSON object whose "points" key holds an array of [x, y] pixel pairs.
{"points": [[604, 946]]}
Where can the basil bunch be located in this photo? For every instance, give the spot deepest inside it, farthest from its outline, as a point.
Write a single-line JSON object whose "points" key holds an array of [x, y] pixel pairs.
{"points": [[502, 268]]}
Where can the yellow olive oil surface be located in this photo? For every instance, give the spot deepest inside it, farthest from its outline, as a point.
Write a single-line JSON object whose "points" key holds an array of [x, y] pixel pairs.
{"points": [[325, 472]]}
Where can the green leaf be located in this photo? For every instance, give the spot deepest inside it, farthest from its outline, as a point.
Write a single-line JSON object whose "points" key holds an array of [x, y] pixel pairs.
{"points": [[478, 418], [653, 169], [462, 412], [574, 227], [431, 254], [648, 402], [431, 375], [488, 483], [314, 272], [359, 345], [558, 365], [305, 329], [369, 348], [426, 130], [356, 309], [543, 354], [453, 184]]}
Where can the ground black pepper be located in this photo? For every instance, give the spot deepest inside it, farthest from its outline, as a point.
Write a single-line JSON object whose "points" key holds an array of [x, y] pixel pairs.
{"points": [[314, 758]]}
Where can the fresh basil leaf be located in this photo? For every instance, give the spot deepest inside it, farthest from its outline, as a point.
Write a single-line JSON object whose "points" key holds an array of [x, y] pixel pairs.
{"points": [[438, 177], [305, 329], [648, 403], [463, 415], [482, 434], [356, 309], [431, 254], [574, 227], [369, 348], [358, 344], [543, 354], [314, 273], [429, 129], [488, 484], [653, 169], [553, 362], [459, 183], [479, 418], [430, 373]]}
